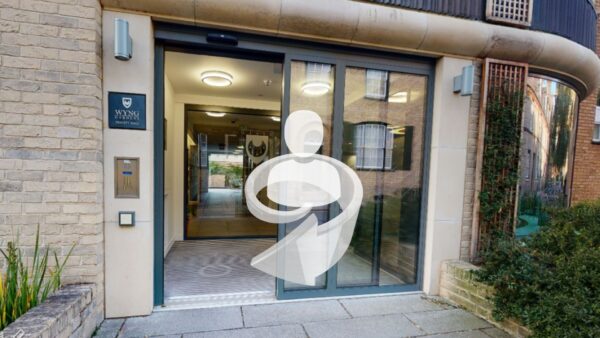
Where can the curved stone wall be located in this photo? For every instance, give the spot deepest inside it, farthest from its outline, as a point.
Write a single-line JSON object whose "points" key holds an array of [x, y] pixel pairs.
{"points": [[383, 27]]}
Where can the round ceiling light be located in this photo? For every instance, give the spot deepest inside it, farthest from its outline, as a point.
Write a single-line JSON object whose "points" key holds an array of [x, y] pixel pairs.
{"points": [[214, 114], [316, 88], [216, 78]]}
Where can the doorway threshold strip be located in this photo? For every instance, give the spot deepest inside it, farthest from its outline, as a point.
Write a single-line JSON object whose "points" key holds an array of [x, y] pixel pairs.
{"points": [[251, 298], [217, 300]]}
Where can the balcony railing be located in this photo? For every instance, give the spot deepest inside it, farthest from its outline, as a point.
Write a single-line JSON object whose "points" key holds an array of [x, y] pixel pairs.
{"points": [[572, 19]]}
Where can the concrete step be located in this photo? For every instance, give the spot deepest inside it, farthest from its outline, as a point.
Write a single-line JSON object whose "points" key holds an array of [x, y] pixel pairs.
{"points": [[217, 300]]}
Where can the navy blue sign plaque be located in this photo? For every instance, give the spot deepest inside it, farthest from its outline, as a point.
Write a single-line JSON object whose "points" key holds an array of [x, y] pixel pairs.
{"points": [[126, 111]]}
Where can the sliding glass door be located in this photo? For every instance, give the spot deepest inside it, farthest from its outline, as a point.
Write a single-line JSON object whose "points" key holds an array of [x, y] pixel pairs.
{"points": [[311, 88], [384, 118], [375, 121], [375, 108]]}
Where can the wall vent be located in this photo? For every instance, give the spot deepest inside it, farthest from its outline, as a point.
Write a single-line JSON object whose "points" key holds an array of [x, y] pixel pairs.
{"points": [[512, 12]]}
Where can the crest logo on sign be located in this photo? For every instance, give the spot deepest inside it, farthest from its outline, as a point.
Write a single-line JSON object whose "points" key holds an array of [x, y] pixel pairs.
{"points": [[126, 102], [126, 111], [257, 147]]}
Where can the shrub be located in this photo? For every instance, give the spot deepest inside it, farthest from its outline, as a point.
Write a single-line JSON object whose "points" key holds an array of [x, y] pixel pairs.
{"points": [[530, 204], [551, 280], [22, 287]]}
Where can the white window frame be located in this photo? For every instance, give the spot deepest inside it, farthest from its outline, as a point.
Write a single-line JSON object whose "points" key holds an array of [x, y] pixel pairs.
{"points": [[376, 86], [596, 132], [372, 151], [317, 71]]}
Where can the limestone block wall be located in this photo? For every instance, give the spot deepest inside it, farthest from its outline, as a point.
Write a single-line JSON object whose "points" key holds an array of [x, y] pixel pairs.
{"points": [[51, 132]]}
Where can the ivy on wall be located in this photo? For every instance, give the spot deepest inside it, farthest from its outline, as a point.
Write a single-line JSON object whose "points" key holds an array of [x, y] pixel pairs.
{"points": [[502, 140]]}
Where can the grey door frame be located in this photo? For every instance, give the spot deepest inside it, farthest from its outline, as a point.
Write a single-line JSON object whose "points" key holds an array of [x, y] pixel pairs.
{"points": [[192, 39]]}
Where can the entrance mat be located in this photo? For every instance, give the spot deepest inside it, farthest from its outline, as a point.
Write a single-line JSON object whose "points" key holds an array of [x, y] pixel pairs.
{"points": [[202, 267]]}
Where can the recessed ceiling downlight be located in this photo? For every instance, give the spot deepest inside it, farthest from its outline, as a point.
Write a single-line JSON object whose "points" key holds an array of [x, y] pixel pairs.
{"points": [[216, 78], [316, 88], [214, 114]]}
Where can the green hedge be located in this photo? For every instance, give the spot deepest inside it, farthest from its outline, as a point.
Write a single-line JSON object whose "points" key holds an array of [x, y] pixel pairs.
{"points": [[551, 280]]}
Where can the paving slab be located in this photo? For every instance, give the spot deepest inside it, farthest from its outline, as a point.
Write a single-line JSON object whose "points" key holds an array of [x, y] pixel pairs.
{"points": [[385, 305], [292, 313], [446, 321], [374, 327], [463, 334], [495, 332], [287, 331], [109, 328], [372, 317], [183, 321]]}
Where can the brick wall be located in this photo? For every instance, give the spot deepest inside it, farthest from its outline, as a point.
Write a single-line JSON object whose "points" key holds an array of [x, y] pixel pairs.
{"points": [[457, 285], [467, 220], [586, 171], [51, 131]]}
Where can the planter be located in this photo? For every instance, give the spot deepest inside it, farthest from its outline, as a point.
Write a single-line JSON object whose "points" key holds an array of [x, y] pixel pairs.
{"points": [[457, 286], [69, 312]]}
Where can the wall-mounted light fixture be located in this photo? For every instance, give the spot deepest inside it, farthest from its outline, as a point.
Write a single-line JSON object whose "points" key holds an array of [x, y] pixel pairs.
{"points": [[463, 83], [123, 43], [276, 118], [216, 78]]}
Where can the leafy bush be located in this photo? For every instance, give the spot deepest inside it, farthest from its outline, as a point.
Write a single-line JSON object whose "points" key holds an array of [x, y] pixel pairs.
{"points": [[551, 280], [530, 203], [233, 173], [23, 287]]}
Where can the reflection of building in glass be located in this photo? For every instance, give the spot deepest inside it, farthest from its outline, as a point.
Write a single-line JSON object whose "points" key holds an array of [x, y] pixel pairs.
{"points": [[539, 105], [383, 135], [373, 144], [546, 148], [379, 146]]}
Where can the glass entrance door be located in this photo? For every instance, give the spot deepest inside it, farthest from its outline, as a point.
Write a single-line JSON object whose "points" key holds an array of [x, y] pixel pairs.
{"points": [[374, 119], [375, 110]]}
